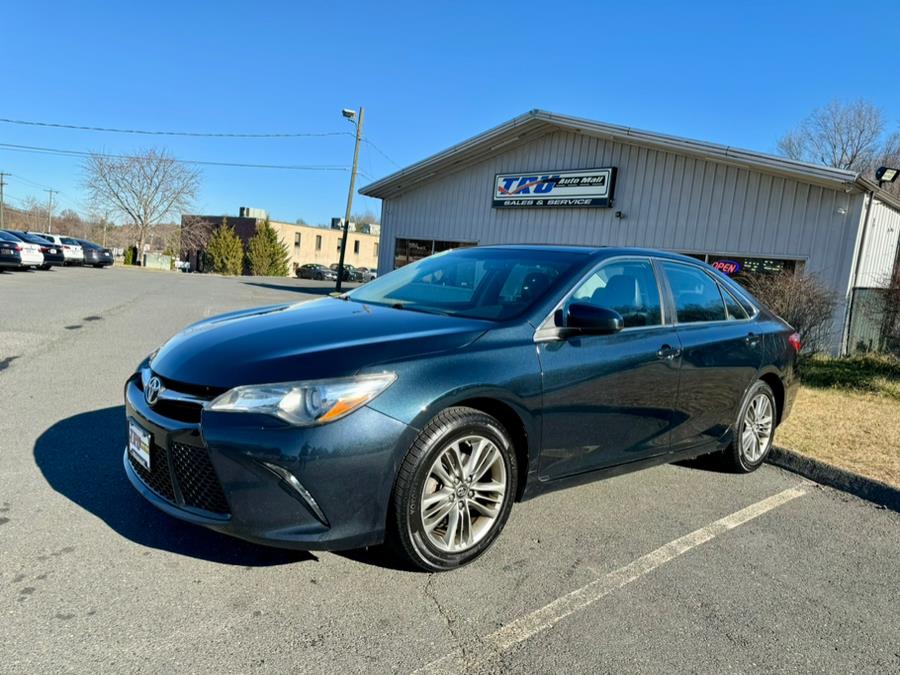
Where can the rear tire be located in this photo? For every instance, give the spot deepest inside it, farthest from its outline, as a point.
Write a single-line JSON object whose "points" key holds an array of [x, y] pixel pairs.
{"points": [[754, 430], [454, 491]]}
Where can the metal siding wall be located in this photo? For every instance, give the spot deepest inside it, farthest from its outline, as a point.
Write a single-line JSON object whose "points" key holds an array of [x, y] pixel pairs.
{"points": [[669, 201], [880, 250]]}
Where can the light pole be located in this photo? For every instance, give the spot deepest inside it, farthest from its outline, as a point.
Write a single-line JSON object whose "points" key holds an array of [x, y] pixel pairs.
{"points": [[353, 118]]}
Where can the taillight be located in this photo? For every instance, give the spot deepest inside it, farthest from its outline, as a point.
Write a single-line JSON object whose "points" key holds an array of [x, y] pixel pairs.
{"points": [[794, 341], [45, 249]]}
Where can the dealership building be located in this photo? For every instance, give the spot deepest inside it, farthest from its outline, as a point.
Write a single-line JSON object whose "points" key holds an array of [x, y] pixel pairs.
{"points": [[549, 178]]}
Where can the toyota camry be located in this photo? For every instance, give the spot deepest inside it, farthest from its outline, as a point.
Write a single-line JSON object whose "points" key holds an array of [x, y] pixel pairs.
{"points": [[415, 410]]}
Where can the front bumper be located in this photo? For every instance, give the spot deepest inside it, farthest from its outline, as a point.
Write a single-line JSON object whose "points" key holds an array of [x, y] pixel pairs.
{"points": [[345, 471]]}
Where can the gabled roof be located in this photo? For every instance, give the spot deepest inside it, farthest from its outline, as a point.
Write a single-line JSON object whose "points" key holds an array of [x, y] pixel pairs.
{"points": [[537, 123]]}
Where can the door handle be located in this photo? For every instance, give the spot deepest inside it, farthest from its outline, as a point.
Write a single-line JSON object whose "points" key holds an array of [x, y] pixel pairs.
{"points": [[668, 352]]}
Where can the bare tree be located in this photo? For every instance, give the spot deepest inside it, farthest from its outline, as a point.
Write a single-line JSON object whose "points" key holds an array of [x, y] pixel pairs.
{"points": [[845, 136], [366, 217], [195, 234], [145, 188], [35, 215]]}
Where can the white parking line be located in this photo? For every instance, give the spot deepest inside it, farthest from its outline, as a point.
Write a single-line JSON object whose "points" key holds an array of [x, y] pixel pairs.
{"points": [[531, 624]]}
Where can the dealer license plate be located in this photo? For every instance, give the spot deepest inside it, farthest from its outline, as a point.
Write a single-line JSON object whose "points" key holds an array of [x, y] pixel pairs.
{"points": [[139, 444]]}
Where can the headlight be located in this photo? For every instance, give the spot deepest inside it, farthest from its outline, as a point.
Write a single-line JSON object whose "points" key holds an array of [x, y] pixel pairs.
{"points": [[305, 403]]}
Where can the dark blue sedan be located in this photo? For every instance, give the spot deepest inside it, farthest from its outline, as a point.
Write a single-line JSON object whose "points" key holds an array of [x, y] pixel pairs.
{"points": [[417, 408]]}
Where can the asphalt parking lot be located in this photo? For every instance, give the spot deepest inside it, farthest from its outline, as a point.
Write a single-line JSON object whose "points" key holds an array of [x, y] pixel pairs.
{"points": [[679, 568]]}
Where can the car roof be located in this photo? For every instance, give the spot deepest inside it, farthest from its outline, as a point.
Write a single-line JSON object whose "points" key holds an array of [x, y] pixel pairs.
{"points": [[598, 252]]}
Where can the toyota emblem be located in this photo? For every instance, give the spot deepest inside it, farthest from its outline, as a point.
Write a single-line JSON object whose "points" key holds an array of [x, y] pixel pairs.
{"points": [[154, 386]]}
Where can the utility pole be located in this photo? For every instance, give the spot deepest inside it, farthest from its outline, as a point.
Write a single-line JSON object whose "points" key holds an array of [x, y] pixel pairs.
{"points": [[2, 183], [349, 114], [50, 211]]}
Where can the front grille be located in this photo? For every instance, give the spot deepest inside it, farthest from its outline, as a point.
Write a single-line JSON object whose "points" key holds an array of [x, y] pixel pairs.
{"points": [[178, 410], [197, 478], [158, 478], [193, 472]]}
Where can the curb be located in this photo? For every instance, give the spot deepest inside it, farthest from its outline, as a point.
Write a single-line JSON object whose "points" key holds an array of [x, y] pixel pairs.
{"points": [[827, 474]]}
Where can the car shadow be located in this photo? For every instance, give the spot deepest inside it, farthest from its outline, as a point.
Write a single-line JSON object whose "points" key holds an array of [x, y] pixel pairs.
{"points": [[81, 458], [714, 463], [306, 290]]}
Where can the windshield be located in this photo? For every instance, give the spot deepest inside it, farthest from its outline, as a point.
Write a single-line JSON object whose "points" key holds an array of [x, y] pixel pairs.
{"points": [[478, 283]]}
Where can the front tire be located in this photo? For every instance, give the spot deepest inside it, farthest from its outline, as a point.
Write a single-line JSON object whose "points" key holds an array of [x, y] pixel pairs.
{"points": [[454, 491], [754, 430]]}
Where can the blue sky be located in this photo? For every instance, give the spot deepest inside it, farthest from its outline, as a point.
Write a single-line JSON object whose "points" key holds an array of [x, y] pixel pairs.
{"points": [[428, 74]]}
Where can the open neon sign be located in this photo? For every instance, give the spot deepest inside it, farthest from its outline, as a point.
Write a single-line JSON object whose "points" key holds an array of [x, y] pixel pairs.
{"points": [[729, 267]]}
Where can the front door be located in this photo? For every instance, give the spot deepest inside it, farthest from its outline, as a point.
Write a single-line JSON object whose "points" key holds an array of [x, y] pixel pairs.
{"points": [[610, 399]]}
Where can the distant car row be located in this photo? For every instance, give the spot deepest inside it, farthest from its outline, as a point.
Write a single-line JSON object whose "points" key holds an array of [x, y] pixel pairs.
{"points": [[23, 250], [323, 273]]}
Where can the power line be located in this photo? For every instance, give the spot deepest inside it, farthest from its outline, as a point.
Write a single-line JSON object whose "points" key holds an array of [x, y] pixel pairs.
{"points": [[202, 134], [81, 153], [380, 152]]}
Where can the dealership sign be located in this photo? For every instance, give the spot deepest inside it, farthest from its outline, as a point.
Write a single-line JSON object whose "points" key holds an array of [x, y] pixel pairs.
{"points": [[555, 189]]}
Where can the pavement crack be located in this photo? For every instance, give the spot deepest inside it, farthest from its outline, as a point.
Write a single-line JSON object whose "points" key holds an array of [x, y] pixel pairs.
{"points": [[443, 612], [471, 648]]}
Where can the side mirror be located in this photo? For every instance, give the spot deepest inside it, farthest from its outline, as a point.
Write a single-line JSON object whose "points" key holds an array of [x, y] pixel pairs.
{"points": [[592, 320]]}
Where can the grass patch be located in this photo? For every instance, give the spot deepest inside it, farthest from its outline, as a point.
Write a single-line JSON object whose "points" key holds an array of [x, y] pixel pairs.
{"points": [[854, 431], [864, 373]]}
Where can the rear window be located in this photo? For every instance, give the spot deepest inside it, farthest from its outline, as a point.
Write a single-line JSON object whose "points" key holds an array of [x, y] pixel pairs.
{"points": [[697, 297]]}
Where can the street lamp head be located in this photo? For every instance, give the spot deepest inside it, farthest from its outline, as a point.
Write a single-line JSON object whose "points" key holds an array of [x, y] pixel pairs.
{"points": [[349, 114], [886, 174]]}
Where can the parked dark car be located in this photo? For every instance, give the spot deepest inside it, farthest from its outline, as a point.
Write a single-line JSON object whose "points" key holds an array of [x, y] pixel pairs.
{"points": [[350, 272], [95, 254], [53, 254], [315, 271], [10, 251], [417, 408]]}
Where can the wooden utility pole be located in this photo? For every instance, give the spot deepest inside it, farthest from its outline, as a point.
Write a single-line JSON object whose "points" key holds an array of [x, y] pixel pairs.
{"points": [[50, 211], [340, 271], [2, 183]]}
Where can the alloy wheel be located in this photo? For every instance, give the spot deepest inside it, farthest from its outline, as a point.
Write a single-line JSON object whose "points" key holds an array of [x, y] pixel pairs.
{"points": [[463, 494], [757, 428]]}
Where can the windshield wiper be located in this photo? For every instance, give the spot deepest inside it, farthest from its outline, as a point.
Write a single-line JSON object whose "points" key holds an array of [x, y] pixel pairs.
{"points": [[420, 310]]}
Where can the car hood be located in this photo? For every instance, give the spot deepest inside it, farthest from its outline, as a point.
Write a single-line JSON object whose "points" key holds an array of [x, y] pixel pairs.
{"points": [[322, 338]]}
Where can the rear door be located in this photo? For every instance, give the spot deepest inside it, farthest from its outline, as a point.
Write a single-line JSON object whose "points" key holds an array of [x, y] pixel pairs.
{"points": [[609, 399], [721, 355]]}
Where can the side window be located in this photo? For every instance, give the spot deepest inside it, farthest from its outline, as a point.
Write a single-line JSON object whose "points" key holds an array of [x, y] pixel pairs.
{"points": [[734, 308], [628, 287], [697, 296]]}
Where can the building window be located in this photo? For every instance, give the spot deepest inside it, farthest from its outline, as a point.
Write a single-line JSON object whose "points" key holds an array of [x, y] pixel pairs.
{"points": [[356, 246], [739, 266], [376, 249], [318, 242], [339, 245], [410, 250], [296, 239]]}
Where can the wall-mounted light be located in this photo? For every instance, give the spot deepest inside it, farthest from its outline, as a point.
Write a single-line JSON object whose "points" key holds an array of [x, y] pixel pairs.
{"points": [[886, 174]]}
